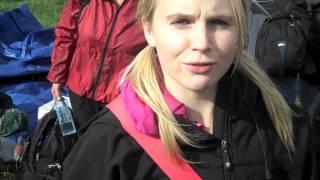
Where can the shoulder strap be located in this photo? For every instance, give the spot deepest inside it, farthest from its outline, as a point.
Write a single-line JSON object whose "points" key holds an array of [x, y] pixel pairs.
{"points": [[152, 146], [48, 119]]}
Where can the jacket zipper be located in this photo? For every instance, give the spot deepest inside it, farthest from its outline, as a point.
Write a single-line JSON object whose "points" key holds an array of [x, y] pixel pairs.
{"points": [[225, 155], [104, 53], [226, 159], [225, 149]]}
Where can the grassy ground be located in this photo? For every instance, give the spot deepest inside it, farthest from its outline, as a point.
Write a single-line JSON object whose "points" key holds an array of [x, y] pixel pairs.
{"points": [[46, 11]]}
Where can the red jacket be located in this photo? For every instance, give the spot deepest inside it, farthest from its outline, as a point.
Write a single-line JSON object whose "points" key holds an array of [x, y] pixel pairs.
{"points": [[79, 46]]}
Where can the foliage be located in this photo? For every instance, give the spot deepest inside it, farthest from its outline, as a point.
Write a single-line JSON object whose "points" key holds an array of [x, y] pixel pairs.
{"points": [[46, 11]]}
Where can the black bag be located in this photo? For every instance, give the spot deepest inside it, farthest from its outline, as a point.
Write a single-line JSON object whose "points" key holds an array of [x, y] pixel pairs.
{"points": [[46, 151], [281, 47], [314, 44]]}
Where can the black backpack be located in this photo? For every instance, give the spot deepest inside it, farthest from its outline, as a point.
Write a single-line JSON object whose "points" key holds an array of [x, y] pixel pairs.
{"points": [[281, 47], [46, 151], [315, 35]]}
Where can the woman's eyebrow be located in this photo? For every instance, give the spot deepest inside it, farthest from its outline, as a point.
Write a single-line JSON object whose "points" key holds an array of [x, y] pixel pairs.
{"points": [[179, 15], [222, 17], [192, 16]]}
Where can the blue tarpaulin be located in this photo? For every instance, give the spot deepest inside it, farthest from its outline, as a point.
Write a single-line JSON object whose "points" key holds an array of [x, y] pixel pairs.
{"points": [[11, 69], [28, 96], [25, 50], [25, 46]]}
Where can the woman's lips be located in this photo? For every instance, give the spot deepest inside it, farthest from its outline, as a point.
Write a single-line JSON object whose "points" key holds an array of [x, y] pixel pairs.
{"points": [[199, 68]]}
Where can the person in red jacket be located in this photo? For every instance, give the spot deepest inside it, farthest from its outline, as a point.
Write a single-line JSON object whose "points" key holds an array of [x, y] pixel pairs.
{"points": [[92, 45]]}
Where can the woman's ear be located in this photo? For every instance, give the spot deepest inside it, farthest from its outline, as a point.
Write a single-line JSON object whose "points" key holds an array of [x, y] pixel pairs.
{"points": [[147, 29]]}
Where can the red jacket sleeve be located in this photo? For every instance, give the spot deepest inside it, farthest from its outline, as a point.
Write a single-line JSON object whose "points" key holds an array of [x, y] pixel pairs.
{"points": [[65, 42]]}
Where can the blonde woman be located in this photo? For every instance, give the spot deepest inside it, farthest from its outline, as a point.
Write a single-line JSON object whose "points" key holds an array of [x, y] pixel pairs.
{"points": [[195, 88]]}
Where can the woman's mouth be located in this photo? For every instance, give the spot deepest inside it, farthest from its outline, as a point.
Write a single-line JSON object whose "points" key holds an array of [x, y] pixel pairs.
{"points": [[199, 68]]}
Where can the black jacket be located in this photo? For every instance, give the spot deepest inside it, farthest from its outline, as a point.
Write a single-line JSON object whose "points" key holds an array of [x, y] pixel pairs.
{"points": [[106, 151]]}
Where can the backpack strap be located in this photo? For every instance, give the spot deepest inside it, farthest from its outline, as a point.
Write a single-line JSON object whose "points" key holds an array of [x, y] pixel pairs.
{"points": [[47, 120], [152, 146]]}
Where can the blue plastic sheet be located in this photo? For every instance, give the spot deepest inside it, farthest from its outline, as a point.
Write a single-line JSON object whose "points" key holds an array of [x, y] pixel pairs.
{"points": [[16, 24], [25, 50], [11, 69], [28, 96], [25, 47], [36, 45]]}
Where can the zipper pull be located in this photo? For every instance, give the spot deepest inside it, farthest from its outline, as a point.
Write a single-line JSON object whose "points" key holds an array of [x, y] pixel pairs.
{"points": [[54, 165], [225, 155], [37, 156]]}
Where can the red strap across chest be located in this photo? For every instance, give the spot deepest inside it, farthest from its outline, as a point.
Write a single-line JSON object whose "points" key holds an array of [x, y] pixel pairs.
{"points": [[152, 146]]}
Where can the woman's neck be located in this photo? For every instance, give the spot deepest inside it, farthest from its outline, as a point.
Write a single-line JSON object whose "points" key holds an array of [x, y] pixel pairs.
{"points": [[200, 105], [202, 113]]}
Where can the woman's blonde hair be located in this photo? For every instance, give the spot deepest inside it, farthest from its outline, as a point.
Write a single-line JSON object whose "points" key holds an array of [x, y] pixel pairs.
{"points": [[144, 76]]}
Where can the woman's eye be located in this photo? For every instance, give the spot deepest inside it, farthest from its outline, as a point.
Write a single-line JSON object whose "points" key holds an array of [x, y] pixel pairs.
{"points": [[218, 22], [181, 22]]}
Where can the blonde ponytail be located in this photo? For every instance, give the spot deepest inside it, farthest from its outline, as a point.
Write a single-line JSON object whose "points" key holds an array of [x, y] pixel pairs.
{"points": [[278, 109], [144, 78]]}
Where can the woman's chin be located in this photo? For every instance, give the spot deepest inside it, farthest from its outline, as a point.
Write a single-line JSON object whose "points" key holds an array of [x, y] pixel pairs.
{"points": [[200, 84]]}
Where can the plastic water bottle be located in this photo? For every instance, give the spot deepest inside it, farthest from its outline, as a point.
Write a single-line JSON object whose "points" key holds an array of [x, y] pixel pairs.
{"points": [[65, 118]]}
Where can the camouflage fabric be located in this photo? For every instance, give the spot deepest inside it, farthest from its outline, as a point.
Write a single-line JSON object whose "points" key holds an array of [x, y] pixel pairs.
{"points": [[13, 120]]}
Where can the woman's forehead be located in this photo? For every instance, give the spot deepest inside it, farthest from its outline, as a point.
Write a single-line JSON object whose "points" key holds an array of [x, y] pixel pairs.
{"points": [[195, 7]]}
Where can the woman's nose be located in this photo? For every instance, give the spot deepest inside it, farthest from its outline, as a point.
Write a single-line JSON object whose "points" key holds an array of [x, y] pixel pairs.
{"points": [[200, 38]]}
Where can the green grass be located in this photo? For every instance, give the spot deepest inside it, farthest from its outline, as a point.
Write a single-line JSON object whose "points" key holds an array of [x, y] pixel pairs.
{"points": [[46, 11]]}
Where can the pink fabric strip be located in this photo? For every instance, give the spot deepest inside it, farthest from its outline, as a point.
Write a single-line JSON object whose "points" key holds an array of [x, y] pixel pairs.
{"points": [[142, 115]]}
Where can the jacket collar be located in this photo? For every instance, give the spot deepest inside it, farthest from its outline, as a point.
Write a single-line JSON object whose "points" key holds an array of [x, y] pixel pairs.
{"points": [[142, 115], [233, 89]]}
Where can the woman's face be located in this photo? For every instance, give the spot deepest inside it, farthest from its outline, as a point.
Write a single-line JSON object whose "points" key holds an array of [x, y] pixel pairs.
{"points": [[195, 41]]}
